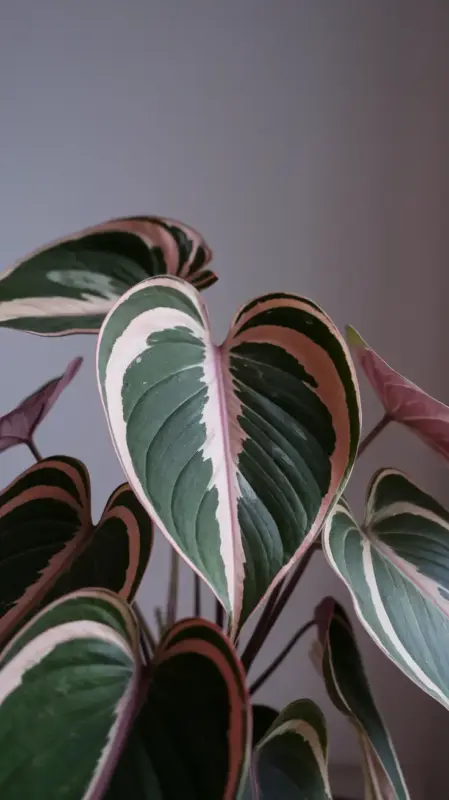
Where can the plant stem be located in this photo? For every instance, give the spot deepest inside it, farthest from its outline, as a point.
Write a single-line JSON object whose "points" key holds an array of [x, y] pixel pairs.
{"points": [[257, 637], [219, 614], [280, 658], [196, 595], [284, 597], [147, 634], [34, 451], [159, 621], [373, 434], [172, 600]]}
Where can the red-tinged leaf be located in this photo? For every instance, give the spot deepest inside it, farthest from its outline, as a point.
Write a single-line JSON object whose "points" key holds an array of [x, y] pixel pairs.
{"points": [[403, 400], [19, 425], [192, 738], [50, 547]]}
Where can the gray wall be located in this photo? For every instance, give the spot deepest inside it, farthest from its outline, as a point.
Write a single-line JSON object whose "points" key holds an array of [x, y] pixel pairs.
{"points": [[308, 142]]}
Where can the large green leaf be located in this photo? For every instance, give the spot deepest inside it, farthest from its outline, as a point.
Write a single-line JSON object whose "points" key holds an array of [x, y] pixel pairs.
{"points": [[348, 688], [49, 545], [290, 761], [70, 285], [397, 570], [69, 684], [192, 739], [239, 451]]}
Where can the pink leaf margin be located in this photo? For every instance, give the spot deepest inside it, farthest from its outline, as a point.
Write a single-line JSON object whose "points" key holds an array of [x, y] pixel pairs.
{"points": [[19, 425], [403, 400]]}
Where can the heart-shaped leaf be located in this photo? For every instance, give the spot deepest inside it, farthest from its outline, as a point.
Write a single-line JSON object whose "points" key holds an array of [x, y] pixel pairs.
{"points": [[397, 570], [263, 718], [290, 761], [19, 425], [49, 545], [68, 691], [193, 736], [70, 285], [239, 451], [348, 688], [403, 400]]}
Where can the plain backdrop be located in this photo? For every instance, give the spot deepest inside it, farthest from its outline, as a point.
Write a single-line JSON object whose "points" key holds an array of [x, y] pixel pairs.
{"points": [[307, 141]]}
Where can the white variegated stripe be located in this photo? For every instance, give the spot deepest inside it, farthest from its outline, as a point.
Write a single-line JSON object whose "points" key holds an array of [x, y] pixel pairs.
{"points": [[302, 728], [41, 307], [384, 622], [373, 770], [217, 447]]}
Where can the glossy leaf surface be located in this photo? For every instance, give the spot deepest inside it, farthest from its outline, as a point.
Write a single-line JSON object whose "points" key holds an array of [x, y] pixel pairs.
{"points": [[348, 688], [192, 738], [68, 688], [49, 545], [238, 452], [397, 570], [69, 286]]}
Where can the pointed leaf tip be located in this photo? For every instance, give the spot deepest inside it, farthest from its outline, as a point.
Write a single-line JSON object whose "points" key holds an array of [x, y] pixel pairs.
{"points": [[70, 285], [19, 425], [230, 447], [348, 688]]}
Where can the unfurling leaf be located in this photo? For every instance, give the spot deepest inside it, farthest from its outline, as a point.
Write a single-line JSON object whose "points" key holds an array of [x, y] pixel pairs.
{"points": [[403, 400], [192, 738], [19, 425], [49, 545], [239, 451], [397, 570], [348, 688], [290, 761], [70, 286], [68, 689]]}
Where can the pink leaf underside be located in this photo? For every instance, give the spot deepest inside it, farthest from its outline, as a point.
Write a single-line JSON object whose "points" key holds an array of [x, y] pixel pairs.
{"points": [[18, 426], [406, 403]]}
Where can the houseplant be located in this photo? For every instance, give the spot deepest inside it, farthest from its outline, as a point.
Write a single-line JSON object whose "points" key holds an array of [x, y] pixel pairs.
{"points": [[240, 455]]}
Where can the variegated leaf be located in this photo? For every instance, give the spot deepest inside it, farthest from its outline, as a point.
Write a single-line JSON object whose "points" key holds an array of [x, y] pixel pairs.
{"points": [[192, 738], [19, 425], [290, 761], [70, 285], [397, 570], [349, 690], [239, 451], [49, 545], [69, 685], [403, 400]]}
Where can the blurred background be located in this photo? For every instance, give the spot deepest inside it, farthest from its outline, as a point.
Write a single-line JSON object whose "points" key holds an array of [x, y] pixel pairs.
{"points": [[307, 141]]}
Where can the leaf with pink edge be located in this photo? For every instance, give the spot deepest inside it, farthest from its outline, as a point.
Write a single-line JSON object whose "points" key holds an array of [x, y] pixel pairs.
{"points": [[19, 425], [238, 452], [70, 285], [403, 400]]}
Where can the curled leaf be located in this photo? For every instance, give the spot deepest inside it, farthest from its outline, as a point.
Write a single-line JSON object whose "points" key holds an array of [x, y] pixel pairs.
{"points": [[19, 425], [348, 688], [403, 400], [50, 547], [70, 285]]}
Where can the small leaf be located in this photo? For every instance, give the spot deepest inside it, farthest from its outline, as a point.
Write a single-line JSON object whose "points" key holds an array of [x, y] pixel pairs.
{"points": [[68, 690], [403, 400], [192, 738], [49, 545], [348, 688], [19, 425], [290, 761], [70, 285], [238, 452], [397, 570]]}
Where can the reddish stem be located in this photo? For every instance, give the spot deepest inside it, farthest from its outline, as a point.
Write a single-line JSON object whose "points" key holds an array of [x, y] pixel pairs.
{"points": [[280, 658], [381, 425], [34, 450]]}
